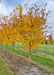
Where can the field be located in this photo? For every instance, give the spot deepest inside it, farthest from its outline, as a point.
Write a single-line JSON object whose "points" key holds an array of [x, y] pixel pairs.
{"points": [[42, 56], [26, 37]]}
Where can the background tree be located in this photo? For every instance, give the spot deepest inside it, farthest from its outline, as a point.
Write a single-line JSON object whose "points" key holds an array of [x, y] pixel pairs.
{"points": [[50, 38], [9, 31]]}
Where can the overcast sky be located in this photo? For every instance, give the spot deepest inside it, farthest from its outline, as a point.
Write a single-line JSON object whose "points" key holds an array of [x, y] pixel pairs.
{"points": [[6, 7]]}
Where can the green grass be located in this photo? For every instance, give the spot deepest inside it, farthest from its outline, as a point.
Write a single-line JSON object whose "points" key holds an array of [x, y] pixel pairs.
{"points": [[44, 51], [46, 46], [45, 60], [19, 45], [4, 70]]}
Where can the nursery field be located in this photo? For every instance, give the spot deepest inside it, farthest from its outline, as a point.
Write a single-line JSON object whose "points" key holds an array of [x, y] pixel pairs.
{"points": [[42, 56]]}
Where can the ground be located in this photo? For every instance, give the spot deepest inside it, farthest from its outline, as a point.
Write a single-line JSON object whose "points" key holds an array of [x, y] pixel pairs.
{"points": [[20, 66]]}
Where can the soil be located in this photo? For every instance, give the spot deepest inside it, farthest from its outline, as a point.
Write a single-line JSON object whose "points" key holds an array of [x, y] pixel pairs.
{"points": [[18, 65]]}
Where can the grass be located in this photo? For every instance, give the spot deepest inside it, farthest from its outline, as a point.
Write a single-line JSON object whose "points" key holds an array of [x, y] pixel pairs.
{"points": [[46, 61], [4, 70], [46, 46], [38, 49], [45, 51]]}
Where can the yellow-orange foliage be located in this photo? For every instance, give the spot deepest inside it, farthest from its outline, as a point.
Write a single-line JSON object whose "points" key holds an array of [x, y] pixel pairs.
{"points": [[31, 26], [9, 31]]}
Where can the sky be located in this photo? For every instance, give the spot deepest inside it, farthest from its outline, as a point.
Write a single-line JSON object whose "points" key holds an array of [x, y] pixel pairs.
{"points": [[6, 7]]}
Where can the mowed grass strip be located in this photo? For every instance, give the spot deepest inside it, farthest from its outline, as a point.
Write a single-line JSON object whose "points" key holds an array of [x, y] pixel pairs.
{"points": [[40, 59], [4, 70], [46, 51], [46, 46]]}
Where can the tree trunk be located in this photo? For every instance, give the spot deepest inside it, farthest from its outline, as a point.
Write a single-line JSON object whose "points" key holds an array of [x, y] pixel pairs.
{"points": [[13, 47], [29, 56], [29, 61]]}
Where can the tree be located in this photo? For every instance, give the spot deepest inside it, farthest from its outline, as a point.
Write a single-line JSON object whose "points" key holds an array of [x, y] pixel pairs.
{"points": [[31, 26], [2, 37], [9, 31], [50, 38]]}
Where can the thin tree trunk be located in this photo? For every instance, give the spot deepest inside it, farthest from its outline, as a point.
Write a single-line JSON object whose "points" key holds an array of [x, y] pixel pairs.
{"points": [[13, 47], [29, 61]]}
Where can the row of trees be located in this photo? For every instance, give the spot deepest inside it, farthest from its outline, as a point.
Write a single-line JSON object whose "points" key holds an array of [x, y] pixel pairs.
{"points": [[27, 28], [50, 39], [49, 42]]}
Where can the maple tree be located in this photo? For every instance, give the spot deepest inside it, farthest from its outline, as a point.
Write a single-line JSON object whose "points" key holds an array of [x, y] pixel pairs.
{"points": [[31, 26], [9, 31], [1, 36], [4, 25], [50, 38]]}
